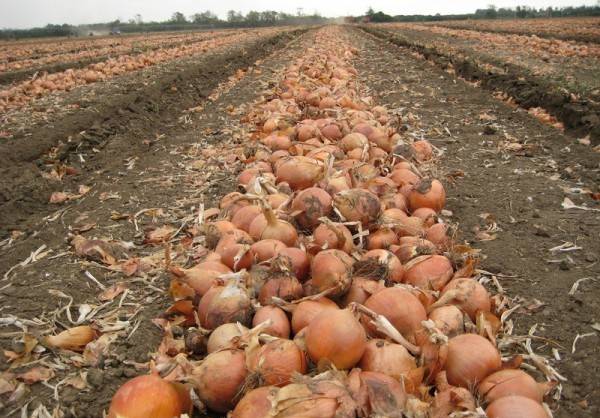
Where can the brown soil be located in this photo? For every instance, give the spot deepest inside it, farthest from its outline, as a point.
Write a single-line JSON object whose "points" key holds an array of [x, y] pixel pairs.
{"points": [[581, 117], [145, 123]]}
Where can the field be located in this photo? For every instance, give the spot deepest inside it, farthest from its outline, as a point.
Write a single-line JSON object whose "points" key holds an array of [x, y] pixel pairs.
{"points": [[157, 187]]}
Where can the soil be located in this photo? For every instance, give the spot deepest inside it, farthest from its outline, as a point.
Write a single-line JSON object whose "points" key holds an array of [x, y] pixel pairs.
{"points": [[580, 117], [141, 151]]}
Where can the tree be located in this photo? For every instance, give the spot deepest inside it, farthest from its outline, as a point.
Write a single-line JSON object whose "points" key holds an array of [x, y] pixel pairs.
{"points": [[234, 17], [253, 18], [491, 12], [205, 18], [370, 12], [178, 17]]}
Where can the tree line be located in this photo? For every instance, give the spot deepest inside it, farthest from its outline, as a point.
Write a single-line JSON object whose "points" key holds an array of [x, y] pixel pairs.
{"points": [[178, 21]]}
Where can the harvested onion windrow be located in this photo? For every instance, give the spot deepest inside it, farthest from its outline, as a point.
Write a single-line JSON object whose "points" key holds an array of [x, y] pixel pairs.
{"points": [[336, 244]]}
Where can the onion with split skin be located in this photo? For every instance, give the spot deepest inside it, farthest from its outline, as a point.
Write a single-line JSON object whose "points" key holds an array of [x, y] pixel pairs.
{"points": [[336, 336], [220, 378], [276, 362], [335, 236], [311, 204], [448, 319], [358, 205], [150, 396], [471, 358], [510, 382], [516, 407], [223, 336], [331, 270], [377, 394]]}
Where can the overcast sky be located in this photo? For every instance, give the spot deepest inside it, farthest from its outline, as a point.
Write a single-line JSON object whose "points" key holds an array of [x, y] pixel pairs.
{"points": [[30, 13]]}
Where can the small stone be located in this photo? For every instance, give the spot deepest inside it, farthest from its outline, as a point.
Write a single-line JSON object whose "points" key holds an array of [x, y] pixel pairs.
{"points": [[489, 130], [590, 258], [540, 231], [95, 377], [536, 214], [564, 265]]}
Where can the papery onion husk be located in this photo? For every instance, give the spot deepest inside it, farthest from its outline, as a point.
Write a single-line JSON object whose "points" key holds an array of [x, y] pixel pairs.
{"points": [[450, 399], [74, 339], [467, 294], [219, 379], [448, 319], [515, 406], [471, 358], [331, 270], [336, 336], [383, 265], [377, 394], [408, 249], [223, 336], [280, 324], [294, 260]]}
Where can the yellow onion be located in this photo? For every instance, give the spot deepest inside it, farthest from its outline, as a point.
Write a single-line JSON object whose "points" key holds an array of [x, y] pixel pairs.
{"points": [[307, 310], [427, 194], [510, 382], [283, 286], [266, 249], [471, 358], [515, 406], [448, 319], [377, 394], [403, 177], [387, 266], [74, 339], [411, 247], [150, 396], [299, 172], [293, 260], [353, 141], [276, 362], [438, 234], [333, 236], [223, 335], [358, 205], [361, 289], [336, 336], [223, 304], [214, 231], [331, 270], [280, 324], [450, 399], [220, 378], [382, 238], [391, 359], [423, 150], [311, 204], [255, 404], [244, 217], [268, 226], [468, 294], [428, 272]]}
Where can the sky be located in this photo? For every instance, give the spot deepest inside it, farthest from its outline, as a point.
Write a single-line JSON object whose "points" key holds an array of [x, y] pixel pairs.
{"points": [[31, 13]]}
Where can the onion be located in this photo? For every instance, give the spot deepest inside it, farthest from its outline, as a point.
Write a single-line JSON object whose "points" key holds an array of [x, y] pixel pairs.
{"points": [[150, 396], [438, 234], [268, 226], [255, 404], [293, 260], [386, 261], [358, 205], [74, 339], [448, 319], [223, 335], [428, 272], [220, 378], [377, 394], [381, 186], [515, 407], [312, 204], [331, 270], [361, 289], [403, 177], [388, 358], [277, 155], [307, 310], [214, 231], [231, 202], [223, 304], [276, 362], [331, 131], [395, 201], [277, 199], [354, 141], [471, 358], [382, 238], [510, 382], [236, 256], [427, 194], [306, 131], [244, 217], [280, 326], [428, 215], [336, 336], [407, 250], [330, 235], [423, 150], [284, 287], [299, 172], [266, 249], [277, 142], [467, 294], [404, 311], [450, 400]]}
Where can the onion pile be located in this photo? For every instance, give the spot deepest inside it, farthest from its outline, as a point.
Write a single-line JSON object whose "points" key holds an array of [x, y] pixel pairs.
{"points": [[359, 303]]}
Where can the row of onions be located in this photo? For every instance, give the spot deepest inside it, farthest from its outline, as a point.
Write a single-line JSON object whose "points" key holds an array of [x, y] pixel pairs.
{"points": [[332, 288], [24, 92]]}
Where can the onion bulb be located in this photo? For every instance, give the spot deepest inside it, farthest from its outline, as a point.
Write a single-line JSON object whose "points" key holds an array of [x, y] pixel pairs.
{"points": [[358, 205], [276, 362], [280, 324], [223, 304], [284, 286], [268, 226], [388, 358], [510, 382], [515, 407], [427, 194], [150, 396], [471, 358], [223, 335], [336, 336], [299, 172], [331, 270], [307, 310], [333, 236], [428, 272], [255, 404], [311, 204]]}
